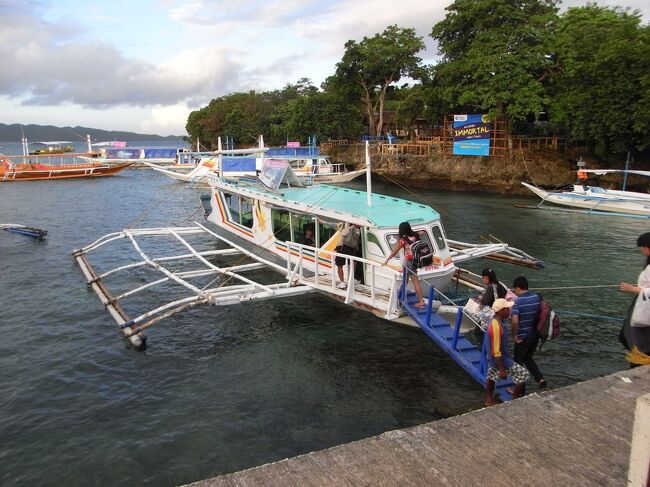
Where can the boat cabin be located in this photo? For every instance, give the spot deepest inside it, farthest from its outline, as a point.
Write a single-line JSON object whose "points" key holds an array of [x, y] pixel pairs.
{"points": [[311, 217]]}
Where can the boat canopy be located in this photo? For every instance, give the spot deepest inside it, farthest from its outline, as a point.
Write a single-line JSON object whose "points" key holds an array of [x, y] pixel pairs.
{"points": [[322, 199], [239, 164], [163, 153], [600, 172]]}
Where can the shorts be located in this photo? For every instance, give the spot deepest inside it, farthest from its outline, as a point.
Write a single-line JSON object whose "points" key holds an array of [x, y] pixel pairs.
{"points": [[344, 249], [516, 372]]}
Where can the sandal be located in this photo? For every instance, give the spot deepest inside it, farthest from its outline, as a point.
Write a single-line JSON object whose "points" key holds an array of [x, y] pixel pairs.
{"points": [[420, 306]]}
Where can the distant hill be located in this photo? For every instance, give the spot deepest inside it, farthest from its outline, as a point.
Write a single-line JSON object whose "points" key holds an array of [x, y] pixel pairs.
{"points": [[34, 133]]}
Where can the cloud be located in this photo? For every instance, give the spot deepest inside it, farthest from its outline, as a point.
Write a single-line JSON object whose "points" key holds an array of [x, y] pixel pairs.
{"points": [[52, 63]]}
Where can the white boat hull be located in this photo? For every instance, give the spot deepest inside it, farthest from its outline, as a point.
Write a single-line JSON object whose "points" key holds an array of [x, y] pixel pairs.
{"points": [[624, 202]]}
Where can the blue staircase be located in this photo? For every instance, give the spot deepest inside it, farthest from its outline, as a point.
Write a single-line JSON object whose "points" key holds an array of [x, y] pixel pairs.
{"points": [[454, 343]]}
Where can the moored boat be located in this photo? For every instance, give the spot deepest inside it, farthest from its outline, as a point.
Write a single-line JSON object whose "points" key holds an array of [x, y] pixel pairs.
{"points": [[594, 199], [32, 171]]}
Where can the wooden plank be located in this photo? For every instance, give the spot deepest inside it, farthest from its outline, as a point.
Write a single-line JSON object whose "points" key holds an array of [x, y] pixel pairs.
{"points": [[578, 435]]}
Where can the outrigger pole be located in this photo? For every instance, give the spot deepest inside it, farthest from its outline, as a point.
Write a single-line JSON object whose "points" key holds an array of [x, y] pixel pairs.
{"points": [[368, 176]]}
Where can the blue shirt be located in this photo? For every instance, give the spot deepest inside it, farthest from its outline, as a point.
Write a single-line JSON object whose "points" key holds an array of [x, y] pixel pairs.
{"points": [[526, 307]]}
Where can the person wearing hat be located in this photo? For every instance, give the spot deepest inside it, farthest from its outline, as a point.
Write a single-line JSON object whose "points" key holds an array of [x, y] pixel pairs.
{"points": [[500, 365]]}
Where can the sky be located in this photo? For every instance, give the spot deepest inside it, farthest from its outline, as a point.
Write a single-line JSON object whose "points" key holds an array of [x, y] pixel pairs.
{"points": [[143, 66]]}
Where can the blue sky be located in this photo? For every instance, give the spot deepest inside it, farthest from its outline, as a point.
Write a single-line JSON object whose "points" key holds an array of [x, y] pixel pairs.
{"points": [[143, 66]]}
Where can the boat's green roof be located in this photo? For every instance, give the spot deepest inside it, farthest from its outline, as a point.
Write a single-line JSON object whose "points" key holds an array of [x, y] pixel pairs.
{"points": [[386, 211]]}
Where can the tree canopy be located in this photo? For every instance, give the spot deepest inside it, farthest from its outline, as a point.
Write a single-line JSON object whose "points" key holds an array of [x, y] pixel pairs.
{"points": [[495, 54], [603, 92], [375, 63], [586, 70]]}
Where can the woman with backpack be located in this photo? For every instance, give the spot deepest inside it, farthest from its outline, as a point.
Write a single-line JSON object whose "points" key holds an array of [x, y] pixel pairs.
{"points": [[408, 237], [640, 319], [493, 288]]}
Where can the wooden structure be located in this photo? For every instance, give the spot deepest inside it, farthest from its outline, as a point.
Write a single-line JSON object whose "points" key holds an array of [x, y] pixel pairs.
{"points": [[498, 136], [577, 435]]}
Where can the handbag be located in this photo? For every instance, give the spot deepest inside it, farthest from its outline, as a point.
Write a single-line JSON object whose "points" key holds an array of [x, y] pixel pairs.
{"points": [[641, 313]]}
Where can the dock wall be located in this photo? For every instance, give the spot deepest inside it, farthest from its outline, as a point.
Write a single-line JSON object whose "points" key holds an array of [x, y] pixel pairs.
{"points": [[578, 435]]}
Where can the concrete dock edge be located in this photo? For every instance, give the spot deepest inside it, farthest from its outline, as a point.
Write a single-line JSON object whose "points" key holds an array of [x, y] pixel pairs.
{"points": [[579, 435]]}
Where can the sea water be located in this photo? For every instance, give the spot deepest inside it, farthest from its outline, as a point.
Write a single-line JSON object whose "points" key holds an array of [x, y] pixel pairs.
{"points": [[224, 389]]}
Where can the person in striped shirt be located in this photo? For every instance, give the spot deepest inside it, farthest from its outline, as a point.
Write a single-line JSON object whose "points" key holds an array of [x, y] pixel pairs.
{"points": [[500, 365], [524, 328]]}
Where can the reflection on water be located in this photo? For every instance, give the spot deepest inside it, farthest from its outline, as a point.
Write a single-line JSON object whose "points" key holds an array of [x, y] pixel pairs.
{"points": [[224, 389]]}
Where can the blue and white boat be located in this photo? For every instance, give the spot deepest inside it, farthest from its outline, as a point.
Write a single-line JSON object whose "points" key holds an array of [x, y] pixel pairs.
{"points": [[597, 200]]}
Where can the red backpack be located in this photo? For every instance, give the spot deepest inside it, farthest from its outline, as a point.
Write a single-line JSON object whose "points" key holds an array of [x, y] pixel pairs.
{"points": [[548, 322]]}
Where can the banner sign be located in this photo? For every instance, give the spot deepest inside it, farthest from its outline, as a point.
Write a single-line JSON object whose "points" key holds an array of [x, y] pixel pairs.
{"points": [[293, 144], [472, 135], [273, 172]]}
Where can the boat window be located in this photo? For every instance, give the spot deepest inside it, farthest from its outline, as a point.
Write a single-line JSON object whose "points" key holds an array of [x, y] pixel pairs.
{"points": [[326, 230], [241, 209], [301, 223], [373, 245], [393, 239], [281, 228], [246, 212], [232, 200], [438, 236]]}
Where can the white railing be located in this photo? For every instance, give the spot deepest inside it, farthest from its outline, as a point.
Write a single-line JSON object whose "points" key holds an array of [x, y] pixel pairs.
{"points": [[380, 291]]}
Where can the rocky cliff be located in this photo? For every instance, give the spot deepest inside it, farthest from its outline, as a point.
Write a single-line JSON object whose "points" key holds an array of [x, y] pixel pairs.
{"points": [[544, 168]]}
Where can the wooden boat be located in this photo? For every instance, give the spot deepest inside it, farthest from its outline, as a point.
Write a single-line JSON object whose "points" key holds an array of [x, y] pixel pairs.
{"points": [[28, 171]]}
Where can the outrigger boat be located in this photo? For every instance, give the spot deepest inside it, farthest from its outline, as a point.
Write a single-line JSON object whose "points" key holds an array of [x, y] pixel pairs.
{"points": [[32, 171], [594, 199], [238, 163], [264, 227]]}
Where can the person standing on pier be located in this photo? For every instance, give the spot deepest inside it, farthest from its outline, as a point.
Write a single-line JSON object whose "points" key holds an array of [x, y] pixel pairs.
{"points": [[640, 319], [524, 328], [500, 365]]}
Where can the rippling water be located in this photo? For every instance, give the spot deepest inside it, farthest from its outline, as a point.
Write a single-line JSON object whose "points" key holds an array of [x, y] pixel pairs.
{"points": [[219, 390]]}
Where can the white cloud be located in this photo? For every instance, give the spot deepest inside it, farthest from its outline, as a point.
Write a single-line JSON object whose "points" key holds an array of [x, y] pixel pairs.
{"points": [[168, 120]]}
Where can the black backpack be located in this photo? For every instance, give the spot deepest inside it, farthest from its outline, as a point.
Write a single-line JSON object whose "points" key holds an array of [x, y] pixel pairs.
{"points": [[422, 255]]}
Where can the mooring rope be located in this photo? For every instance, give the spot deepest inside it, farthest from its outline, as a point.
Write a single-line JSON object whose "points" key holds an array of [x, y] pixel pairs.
{"points": [[572, 287]]}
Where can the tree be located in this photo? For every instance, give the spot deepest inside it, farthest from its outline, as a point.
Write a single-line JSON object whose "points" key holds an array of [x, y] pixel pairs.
{"points": [[319, 114], [496, 55], [373, 64], [603, 92]]}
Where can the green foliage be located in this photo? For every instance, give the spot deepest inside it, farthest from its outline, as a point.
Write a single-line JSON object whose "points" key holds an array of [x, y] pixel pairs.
{"points": [[372, 65], [495, 55], [603, 93], [318, 114], [588, 69], [244, 116]]}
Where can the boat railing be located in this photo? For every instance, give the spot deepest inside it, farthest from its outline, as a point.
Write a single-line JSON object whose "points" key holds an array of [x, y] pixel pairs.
{"points": [[324, 277]]}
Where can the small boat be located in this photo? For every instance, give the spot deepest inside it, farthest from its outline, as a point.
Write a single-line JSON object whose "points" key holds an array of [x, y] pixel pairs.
{"points": [[23, 230], [30, 171], [594, 199], [53, 147]]}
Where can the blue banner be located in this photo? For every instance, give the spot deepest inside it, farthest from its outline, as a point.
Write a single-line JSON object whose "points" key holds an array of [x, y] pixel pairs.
{"points": [[472, 135]]}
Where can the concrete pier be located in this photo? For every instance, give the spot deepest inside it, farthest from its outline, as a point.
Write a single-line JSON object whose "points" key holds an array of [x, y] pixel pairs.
{"points": [[578, 435]]}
